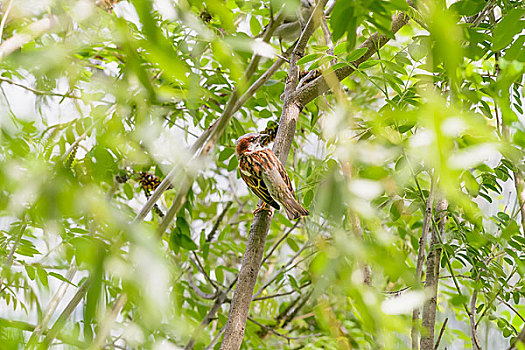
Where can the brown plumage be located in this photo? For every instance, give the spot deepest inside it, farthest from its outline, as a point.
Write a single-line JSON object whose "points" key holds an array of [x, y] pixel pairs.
{"points": [[265, 175]]}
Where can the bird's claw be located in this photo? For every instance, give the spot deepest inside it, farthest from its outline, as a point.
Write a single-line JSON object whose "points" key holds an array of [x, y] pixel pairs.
{"points": [[262, 207]]}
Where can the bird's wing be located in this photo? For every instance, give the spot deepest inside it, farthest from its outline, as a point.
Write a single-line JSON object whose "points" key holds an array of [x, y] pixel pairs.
{"points": [[280, 168], [255, 182], [275, 177]]}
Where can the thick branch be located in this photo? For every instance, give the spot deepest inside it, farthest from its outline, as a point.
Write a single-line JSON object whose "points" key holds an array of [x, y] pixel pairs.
{"points": [[432, 279], [319, 86], [420, 259], [251, 263]]}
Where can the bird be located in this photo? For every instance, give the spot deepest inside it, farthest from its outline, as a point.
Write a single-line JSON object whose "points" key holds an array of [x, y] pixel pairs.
{"points": [[293, 24], [265, 175]]}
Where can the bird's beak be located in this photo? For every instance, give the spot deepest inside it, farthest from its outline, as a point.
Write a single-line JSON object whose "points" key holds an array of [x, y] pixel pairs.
{"points": [[263, 138]]}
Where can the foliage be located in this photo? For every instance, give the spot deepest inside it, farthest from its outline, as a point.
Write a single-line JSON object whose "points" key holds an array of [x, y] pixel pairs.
{"points": [[100, 107]]}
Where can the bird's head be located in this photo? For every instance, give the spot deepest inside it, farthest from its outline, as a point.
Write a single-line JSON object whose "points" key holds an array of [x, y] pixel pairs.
{"points": [[250, 143]]}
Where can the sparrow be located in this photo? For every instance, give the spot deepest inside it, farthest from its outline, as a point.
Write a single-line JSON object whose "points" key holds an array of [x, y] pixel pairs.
{"points": [[265, 175]]}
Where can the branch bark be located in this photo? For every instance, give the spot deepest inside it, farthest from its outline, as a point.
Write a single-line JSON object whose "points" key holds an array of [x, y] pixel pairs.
{"points": [[420, 259], [319, 86], [34, 30], [68, 310], [475, 341], [251, 263], [432, 279]]}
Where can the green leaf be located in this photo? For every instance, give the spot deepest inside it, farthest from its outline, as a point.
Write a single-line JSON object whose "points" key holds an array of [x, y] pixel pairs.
{"points": [[340, 48], [519, 138], [471, 184], [308, 197], [292, 244], [187, 243], [509, 26], [255, 26], [31, 272], [468, 7], [225, 154], [183, 226], [128, 191], [232, 165], [42, 276], [356, 54], [458, 300], [62, 278], [368, 64], [309, 58], [219, 274]]}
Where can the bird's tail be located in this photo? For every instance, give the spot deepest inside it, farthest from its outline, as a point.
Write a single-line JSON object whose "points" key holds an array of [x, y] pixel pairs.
{"points": [[294, 210]]}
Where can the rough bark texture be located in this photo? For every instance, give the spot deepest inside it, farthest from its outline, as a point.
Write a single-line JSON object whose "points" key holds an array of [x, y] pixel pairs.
{"points": [[319, 86], [432, 279], [520, 193], [414, 332]]}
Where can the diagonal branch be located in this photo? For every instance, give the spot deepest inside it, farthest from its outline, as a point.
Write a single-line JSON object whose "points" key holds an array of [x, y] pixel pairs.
{"points": [[34, 30], [319, 86]]}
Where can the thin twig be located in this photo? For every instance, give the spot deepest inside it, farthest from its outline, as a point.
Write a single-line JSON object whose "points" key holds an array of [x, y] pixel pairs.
{"points": [[215, 339], [270, 329], [4, 19], [203, 271], [197, 290], [53, 304], [281, 270], [475, 341], [11, 255], [37, 92], [217, 223], [284, 236], [68, 310], [282, 294], [512, 308], [441, 334], [105, 327]]}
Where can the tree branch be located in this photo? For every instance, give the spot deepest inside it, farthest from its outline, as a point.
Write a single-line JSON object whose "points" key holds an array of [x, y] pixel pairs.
{"points": [[432, 279], [105, 326], [205, 143], [32, 31], [68, 310], [436, 347], [475, 341], [420, 259], [52, 306], [319, 86], [28, 327], [251, 263]]}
